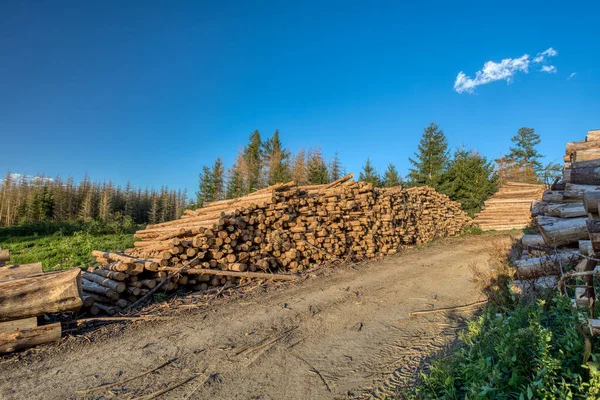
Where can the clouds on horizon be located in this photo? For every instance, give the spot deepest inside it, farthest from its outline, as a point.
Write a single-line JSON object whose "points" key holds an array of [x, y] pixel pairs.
{"points": [[504, 70]]}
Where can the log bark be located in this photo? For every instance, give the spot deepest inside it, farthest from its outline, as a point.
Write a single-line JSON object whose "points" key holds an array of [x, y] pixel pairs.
{"points": [[584, 175], [93, 287], [572, 147], [585, 248], [47, 293], [11, 326], [117, 286], [543, 266], [20, 271], [593, 135], [4, 255], [590, 201], [564, 231], [586, 155], [26, 338], [593, 228], [532, 240]]}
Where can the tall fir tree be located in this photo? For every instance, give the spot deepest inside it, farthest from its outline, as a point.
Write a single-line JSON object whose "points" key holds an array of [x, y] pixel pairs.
{"points": [[470, 180], [235, 179], [524, 150], [276, 161], [336, 170], [253, 160], [316, 169], [205, 186], [218, 180], [391, 177], [432, 158], [369, 174]]}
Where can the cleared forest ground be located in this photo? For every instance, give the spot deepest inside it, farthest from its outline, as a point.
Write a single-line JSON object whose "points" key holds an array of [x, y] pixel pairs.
{"points": [[346, 333]]}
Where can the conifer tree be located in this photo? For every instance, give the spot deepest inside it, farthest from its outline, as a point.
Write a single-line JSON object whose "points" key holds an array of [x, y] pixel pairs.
{"points": [[391, 177], [432, 159], [470, 180], [205, 186], [218, 180], [276, 161], [299, 170], [369, 174], [316, 169], [235, 179], [524, 152], [253, 161], [335, 168]]}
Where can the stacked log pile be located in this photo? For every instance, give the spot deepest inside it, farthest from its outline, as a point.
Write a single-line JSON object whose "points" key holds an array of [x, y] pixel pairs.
{"points": [[285, 228], [510, 207], [568, 243], [26, 293]]}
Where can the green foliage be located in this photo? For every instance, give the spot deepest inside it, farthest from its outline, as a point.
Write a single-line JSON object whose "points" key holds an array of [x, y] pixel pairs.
{"points": [[316, 169], [524, 151], [276, 161], [369, 174], [531, 352], [470, 180], [336, 170], [253, 156], [432, 159], [211, 183], [65, 244], [550, 172], [391, 177]]}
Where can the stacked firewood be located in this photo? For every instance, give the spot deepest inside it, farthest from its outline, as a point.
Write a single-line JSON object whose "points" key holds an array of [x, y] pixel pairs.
{"points": [[285, 228], [568, 243], [26, 293]]}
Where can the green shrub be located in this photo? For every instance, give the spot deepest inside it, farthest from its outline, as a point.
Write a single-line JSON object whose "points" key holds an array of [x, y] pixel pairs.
{"points": [[534, 351]]}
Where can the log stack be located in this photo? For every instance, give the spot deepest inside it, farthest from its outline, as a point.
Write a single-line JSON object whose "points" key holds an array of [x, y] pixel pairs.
{"points": [[282, 229], [510, 207], [26, 293], [567, 219]]}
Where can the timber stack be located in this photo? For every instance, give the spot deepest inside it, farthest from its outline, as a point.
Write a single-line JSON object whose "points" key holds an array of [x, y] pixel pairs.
{"points": [[510, 207], [272, 233], [26, 293], [568, 243]]}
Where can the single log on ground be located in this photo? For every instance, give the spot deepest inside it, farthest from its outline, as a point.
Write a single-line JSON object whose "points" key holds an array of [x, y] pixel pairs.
{"points": [[564, 231], [47, 293], [26, 338], [20, 271], [543, 266], [4, 255], [11, 326], [584, 175], [532, 240]]}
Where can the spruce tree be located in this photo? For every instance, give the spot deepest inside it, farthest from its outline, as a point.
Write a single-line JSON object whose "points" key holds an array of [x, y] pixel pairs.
{"points": [[253, 161], [369, 174], [432, 159], [235, 179], [205, 186], [316, 169], [470, 180], [218, 180], [335, 168], [276, 161], [391, 177]]}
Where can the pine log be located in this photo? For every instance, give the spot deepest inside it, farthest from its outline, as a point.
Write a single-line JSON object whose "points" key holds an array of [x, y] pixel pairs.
{"points": [[562, 196], [116, 275], [93, 287], [593, 135], [117, 286], [586, 155], [11, 326], [26, 338], [532, 240], [46, 293], [572, 147], [20, 271], [4, 255], [564, 231], [543, 266]]}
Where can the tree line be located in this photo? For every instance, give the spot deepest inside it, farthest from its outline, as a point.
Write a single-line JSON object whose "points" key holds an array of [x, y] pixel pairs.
{"points": [[32, 199]]}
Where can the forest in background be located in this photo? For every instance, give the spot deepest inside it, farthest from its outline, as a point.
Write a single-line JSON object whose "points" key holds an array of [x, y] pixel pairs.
{"points": [[464, 175]]}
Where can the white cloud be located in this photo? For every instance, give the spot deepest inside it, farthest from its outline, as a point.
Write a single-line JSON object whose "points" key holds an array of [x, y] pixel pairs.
{"points": [[503, 71], [572, 75], [34, 179], [551, 69]]}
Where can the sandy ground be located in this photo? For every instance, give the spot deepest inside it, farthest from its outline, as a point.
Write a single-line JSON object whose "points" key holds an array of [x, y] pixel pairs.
{"points": [[346, 333]]}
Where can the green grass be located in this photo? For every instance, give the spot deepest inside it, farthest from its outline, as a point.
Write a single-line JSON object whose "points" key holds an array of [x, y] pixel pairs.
{"points": [[64, 245]]}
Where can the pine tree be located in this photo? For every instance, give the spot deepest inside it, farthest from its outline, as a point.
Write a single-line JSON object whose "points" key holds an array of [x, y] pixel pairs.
{"points": [[316, 169], [391, 177], [470, 180], [335, 168], [276, 161], [432, 159], [235, 179], [218, 180], [253, 162], [205, 186], [369, 174], [524, 151]]}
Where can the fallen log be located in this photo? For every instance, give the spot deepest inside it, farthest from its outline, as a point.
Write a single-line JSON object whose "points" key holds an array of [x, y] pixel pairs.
{"points": [[25, 338], [564, 231], [11, 326], [46, 293], [532, 240], [20, 271], [4, 255], [543, 266]]}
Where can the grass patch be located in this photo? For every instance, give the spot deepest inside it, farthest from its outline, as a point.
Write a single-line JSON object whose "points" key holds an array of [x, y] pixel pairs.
{"points": [[64, 245]]}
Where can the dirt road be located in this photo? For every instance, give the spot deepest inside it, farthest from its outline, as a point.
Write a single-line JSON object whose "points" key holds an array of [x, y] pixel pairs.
{"points": [[347, 333]]}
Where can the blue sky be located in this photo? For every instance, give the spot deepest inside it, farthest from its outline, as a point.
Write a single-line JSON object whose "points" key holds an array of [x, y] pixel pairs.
{"points": [[151, 91]]}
